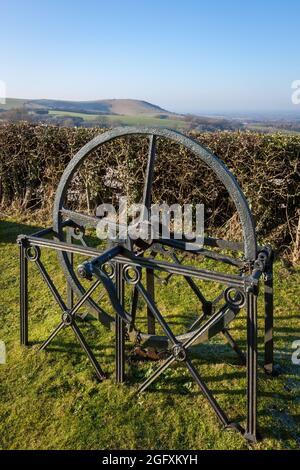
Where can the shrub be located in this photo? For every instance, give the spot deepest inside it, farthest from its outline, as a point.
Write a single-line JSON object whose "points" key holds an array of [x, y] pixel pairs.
{"points": [[33, 157]]}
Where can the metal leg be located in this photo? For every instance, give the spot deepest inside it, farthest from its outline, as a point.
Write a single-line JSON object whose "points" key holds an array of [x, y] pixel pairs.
{"points": [[23, 296], [147, 203], [150, 290], [251, 431], [120, 328], [268, 294]]}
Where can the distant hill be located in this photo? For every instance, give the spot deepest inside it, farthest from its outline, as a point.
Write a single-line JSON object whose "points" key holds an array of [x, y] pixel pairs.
{"points": [[12, 103], [108, 113], [124, 107]]}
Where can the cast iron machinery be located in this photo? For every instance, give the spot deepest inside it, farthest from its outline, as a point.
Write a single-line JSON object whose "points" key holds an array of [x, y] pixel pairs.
{"points": [[136, 264]]}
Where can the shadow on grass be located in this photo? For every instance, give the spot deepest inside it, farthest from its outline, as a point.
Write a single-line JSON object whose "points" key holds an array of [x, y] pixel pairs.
{"points": [[215, 353], [9, 231]]}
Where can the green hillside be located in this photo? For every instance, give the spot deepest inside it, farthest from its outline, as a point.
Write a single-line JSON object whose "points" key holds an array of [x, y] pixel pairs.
{"points": [[126, 120], [125, 107]]}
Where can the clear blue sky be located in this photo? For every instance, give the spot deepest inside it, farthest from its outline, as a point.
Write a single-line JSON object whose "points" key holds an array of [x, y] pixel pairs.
{"points": [[189, 56]]}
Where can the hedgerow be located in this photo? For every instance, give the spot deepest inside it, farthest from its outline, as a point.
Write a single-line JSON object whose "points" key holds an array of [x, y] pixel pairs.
{"points": [[33, 157]]}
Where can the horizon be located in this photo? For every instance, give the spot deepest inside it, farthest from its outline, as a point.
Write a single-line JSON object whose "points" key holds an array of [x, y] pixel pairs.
{"points": [[185, 58], [230, 113]]}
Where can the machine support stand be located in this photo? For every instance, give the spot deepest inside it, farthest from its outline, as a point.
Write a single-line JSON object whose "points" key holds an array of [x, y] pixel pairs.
{"points": [[251, 431], [135, 262], [120, 327], [23, 294]]}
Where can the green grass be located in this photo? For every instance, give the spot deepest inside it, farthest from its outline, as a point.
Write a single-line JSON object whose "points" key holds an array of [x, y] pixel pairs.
{"points": [[86, 117], [141, 119], [51, 400]]}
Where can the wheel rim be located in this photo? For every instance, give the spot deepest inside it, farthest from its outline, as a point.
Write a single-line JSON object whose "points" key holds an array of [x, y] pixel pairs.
{"points": [[205, 155]]}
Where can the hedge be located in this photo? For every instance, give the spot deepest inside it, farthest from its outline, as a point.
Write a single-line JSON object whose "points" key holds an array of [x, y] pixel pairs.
{"points": [[33, 157]]}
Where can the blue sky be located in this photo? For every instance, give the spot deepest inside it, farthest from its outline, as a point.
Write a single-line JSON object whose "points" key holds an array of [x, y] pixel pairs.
{"points": [[188, 56]]}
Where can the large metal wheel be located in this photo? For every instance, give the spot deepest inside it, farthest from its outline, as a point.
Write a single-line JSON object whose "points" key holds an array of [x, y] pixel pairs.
{"points": [[61, 212]]}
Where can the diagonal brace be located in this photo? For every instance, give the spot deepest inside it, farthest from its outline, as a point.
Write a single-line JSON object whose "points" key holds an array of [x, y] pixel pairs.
{"points": [[68, 320], [180, 354]]}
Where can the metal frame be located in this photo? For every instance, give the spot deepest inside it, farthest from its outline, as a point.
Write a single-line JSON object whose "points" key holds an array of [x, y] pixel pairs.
{"points": [[257, 263], [248, 284]]}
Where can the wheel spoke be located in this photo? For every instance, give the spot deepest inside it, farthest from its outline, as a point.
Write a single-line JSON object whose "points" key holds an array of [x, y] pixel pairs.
{"points": [[92, 221], [149, 172], [181, 245], [78, 218]]}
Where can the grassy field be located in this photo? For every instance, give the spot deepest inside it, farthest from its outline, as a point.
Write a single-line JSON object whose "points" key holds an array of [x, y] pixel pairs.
{"points": [[51, 400], [138, 120]]}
